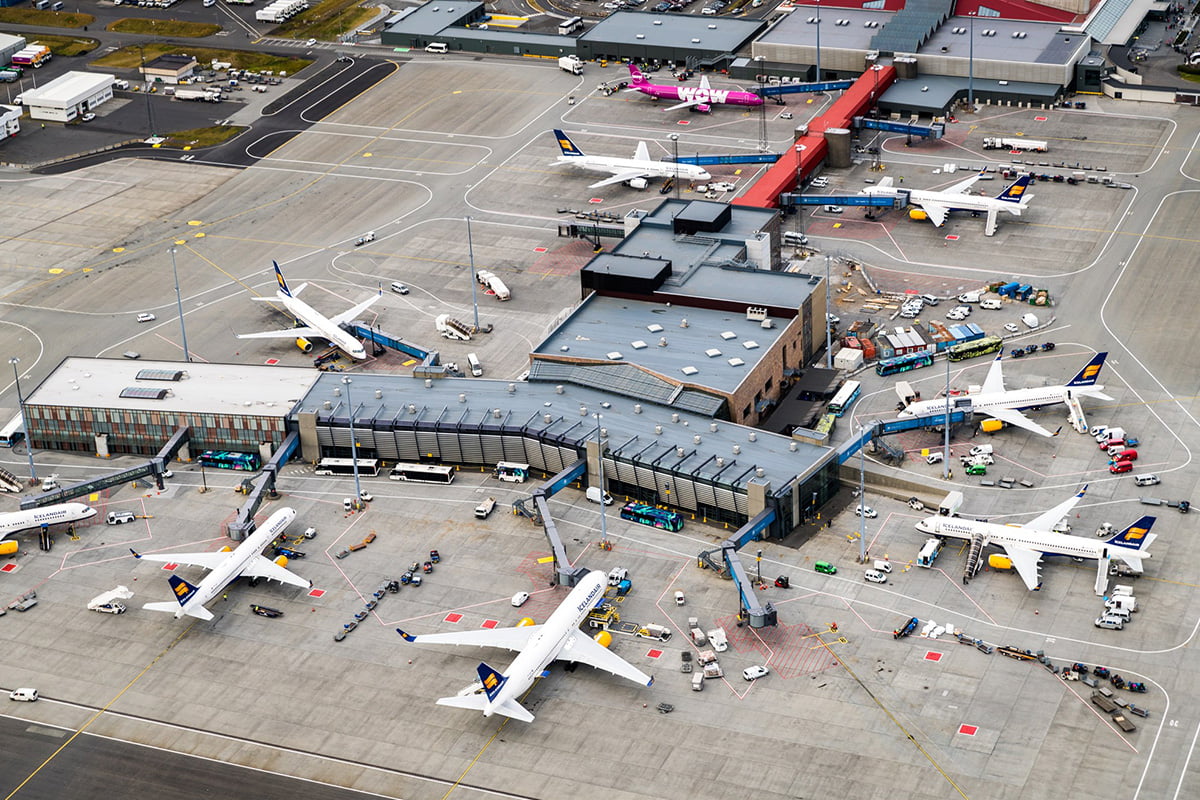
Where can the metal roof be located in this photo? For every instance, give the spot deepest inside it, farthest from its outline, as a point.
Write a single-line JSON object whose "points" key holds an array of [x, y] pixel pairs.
{"points": [[431, 18], [798, 30], [673, 30], [67, 90], [1034, 42]]}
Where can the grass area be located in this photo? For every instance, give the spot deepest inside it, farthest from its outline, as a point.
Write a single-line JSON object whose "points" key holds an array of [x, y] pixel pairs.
{"points": [[165, 27], [202, 137], [1188, 77], [51, 19], [326, 20], [62, 45], [131, 57]]}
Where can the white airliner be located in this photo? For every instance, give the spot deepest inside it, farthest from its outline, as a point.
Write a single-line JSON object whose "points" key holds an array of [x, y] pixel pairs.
{"points": [[994, 401], [936, 206], [538, 645], [633, 171], [1025, 545], [16, 521], [227, 566], [316, 324]]}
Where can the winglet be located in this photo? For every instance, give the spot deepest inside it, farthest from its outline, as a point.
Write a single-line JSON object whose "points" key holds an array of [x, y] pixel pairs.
{"points": [[651, 682], [136, 554], [492, 680], [407, 637], [283, 287]]}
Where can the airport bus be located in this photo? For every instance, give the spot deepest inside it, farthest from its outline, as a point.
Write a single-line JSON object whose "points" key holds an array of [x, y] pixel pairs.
{"points": [[223, 459], [568, 26], [423, 473], [826, 424], [13, 432], [511, 471], [906, 363], [845, 397], [654, 517], [979, 347], [345, 466]]}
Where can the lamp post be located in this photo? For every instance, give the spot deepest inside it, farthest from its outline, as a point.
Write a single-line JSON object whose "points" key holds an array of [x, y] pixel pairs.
{"points": [[862, 495], [946, 440], [971, 62], [828, 327], [762, 107], [471, 256], [818, 5], [600, 460], [179, 307], [25, 419], [675, 146], [353, 445]]}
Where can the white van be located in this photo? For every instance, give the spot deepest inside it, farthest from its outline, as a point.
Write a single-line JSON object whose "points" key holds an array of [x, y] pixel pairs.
{"points": [[991, 303], [883, 566], [1108, 434], [697, 681], [970, 297], [24, 695], [1111, 622], [593, 494], [1030, 320], [982, 449], [473, 363], [437, 47], [1145, 480]]}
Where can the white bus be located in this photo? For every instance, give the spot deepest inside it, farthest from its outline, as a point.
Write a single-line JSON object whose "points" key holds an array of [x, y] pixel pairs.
{"points": [[13, 432], [568, 26], [511, 471], [845, 397], [345, 466], [425, 473]]}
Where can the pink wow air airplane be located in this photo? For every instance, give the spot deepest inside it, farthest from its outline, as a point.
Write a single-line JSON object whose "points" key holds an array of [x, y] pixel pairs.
{"points": [[701, 98]]}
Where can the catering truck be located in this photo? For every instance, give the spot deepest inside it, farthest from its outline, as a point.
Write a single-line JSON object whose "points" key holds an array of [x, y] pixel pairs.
{"points": [[1014, 143], [571, 64]]}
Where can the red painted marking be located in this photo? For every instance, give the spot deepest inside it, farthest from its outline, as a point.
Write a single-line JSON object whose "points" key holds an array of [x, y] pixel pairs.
{"points": [[316, 593], [8, 568], [1014, 152], [596, 200], [952, 238], [654, 654], [684, 122], [170, 567], [1039, 119], [541, 250], [452, 617], [968, 730], [933, 655], [270, 362], [489, 624]]}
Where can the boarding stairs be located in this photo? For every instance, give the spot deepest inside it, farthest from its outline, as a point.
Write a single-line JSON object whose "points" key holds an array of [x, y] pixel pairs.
{"points": [[10, 482], [1075, 413], [973, 558]]}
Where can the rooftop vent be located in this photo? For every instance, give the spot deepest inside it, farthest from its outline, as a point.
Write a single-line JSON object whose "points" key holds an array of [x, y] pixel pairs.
{"points": [[637, 408], [462, 398], [767, 323], [712, 352], [712, 426], [689, 371], [655, 328], [658, 430], [750, 344], [727, 335], [160, 374], [683, 323], [615, 355], [736, 362], [641, 36], [144, 393], [737, 449], [638, 345]]}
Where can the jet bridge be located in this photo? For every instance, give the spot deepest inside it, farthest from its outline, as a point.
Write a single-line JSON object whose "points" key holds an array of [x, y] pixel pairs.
{"points": [[565, 574], [881, 428], [934, 131], [759, 614], [875, 200], [741, 158], [802, 88], [243, 524]]}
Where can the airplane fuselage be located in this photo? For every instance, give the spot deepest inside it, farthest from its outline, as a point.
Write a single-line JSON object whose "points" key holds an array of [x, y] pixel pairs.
{"points": [[982, 403], [1048, 543], [232, 567], [952, 201], [699, 94], [17, 521], [320, 323], [554, 637], [656, 169]]}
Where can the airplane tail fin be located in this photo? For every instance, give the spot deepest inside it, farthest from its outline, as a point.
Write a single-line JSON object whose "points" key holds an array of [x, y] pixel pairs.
{"points": [[704, 82], [283, 287], [566, 145], [636, 76], [171, 608], [182, 589], [1136, 537], [1015, 191], [1090, 372], [492, 680]]}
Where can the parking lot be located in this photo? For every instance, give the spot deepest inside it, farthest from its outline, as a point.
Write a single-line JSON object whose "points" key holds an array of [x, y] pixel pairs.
{"points": [[440, 139]]}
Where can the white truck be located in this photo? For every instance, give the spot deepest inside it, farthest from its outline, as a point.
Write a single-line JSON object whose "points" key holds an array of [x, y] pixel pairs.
{"points": [[571, 64], [716, 637], [110, 602], [203, 95], [1014, 143], [659, 633], [491, 282], [929, 552], [952, 503]]}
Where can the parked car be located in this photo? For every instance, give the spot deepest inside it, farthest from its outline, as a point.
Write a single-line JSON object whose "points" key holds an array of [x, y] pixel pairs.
{"points": [[832, 209], [832, 319], [1011, 327], [88, 117], [519, 599], [875, 576], [866, 511], [147, 317], [399, 288], [755, 672]]}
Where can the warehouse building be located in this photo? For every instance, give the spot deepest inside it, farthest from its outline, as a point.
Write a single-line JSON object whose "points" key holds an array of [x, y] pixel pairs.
{"points": [[692, 39], [68, 97], [10, 45], [170, 68]]}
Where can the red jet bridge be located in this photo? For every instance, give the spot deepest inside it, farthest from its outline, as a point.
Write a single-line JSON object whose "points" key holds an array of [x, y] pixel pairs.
{"points": [[796, 163]]}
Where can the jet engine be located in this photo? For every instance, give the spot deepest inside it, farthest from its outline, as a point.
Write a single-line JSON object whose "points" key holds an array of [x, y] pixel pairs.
{"points": [[304, 344]]}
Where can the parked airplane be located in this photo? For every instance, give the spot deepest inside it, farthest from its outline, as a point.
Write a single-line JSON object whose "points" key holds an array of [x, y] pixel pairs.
{"points": [[16, 521], [227, 566], [633, 171], [316, 324], [702, 98], [537, 645], [994, 401], [936, 206], [1025, 545]]}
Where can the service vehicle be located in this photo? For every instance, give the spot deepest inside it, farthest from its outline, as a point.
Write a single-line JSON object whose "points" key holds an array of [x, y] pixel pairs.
{"points": [[906, 628], [485, 508], [832, 209], [399, 288], [1145, 480], [571, 64], [1111, 622], [519, 599], [120, 517], [875, 576], [865, 511], [755, 672], [718, 640], [24, 695], [265, 611], [825, 567]]}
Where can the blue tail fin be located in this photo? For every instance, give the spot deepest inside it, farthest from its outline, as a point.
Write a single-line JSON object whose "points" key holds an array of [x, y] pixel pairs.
{"points": [[1015, 190], [1091, 371], [1136, 536], [182, 589], [566, 145], [492, 681], [283, 287]]}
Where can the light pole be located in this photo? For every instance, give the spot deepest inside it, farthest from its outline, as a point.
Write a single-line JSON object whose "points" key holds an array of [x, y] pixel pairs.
{"points": [[762, 107], [971, 62], [353, 446], [828, 327], [946, 441], [818, 5], [600, 460], [862, 494], [471, 256], [179, 306], [24, 419], [675, 145]]}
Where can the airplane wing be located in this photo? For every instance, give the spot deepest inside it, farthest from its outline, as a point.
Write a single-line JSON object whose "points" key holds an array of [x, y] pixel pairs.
{"points": [[936, 211], [585, 650], [1047, 519], [684, 104], [505, 638], [885, 182], [205, 560], [1026, 562], [263, 567], [621, 177], [994, 382], [351, 314], [290, 333], [962, 186], [642, 153], [1014, 417]]}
